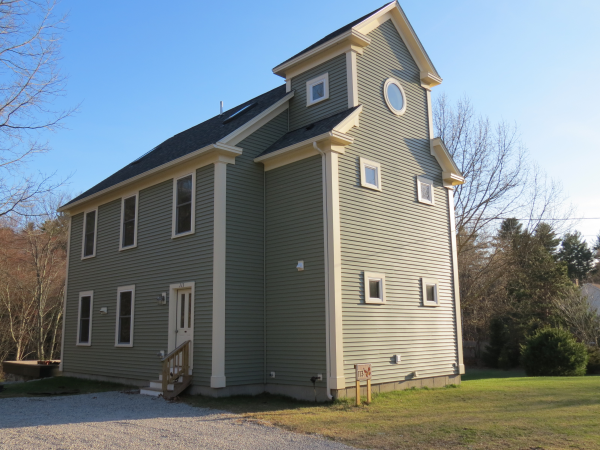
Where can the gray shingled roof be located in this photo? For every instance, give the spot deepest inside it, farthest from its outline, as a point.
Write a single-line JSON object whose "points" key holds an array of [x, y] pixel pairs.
{"points": [[334, 34], [309, 131], [188, 141]]}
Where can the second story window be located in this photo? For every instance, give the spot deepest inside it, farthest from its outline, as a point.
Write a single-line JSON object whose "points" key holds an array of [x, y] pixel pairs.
{"points": [[89, 234], [317, 89], [129, 209], [183, 202]]}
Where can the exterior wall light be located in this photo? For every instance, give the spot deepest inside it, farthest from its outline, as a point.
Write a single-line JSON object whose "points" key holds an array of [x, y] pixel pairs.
{"points": [[161, 299], [300, 266], [104, 310]]}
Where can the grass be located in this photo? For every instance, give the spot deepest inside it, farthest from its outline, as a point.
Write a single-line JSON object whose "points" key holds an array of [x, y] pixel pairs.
{"points": [[484, 413], [58, 386]]}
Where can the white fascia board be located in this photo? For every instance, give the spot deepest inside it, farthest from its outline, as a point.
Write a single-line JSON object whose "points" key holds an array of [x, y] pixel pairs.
{"points": [[342, 139], [251, 126], [451, 174], [429, 76], [349, 122], [231, 151], [353, 35]]}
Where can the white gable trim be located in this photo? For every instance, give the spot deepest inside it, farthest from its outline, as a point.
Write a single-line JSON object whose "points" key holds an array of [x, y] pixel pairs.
{"points": [[451, 174], [393, 12]]}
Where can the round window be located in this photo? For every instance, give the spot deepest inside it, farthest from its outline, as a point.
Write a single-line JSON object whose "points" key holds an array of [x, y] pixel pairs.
{"points": [[394, 96]]}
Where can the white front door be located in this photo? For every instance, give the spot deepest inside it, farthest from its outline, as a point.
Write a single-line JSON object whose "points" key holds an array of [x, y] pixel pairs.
{"points": [[185, 317]]}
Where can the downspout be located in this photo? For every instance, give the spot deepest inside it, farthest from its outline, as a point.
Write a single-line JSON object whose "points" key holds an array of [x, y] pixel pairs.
{"points": [[326, 235]]}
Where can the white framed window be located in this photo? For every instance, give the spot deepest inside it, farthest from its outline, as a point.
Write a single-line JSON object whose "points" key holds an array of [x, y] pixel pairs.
{"points": [[430, 292], [374, 288], [317, 89], [184, 205], [425, 190], [125, 314], [370, 174], [90, 225], [84, 318], [394, 96], [129, 221]]}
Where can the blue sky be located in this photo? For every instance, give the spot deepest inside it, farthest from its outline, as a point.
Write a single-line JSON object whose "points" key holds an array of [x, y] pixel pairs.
{"points": [[146, 70]]}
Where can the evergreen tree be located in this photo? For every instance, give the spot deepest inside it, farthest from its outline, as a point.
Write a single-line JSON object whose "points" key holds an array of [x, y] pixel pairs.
{"points": [[578, 257]]}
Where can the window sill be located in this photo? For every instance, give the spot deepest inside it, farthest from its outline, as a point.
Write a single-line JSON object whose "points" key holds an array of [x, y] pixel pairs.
{"points": [[124, 345], [309, 103], [127, 248], [174, 236], [83, 345], [88, 257], [374, 301], [431, 304], [371, 186]]}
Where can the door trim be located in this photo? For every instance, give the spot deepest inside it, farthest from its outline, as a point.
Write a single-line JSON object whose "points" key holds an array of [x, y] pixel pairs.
{"points": [[173, 288]]}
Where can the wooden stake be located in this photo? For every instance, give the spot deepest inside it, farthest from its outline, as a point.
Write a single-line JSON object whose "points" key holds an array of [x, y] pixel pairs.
{"points": [[357, 393], [368, 391]]}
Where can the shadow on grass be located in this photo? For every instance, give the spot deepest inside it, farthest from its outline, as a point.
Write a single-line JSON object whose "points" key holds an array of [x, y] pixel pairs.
{"points": [[247, 404], [48, 387], [478, 373]]}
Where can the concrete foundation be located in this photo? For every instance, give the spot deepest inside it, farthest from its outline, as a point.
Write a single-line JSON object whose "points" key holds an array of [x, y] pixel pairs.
{"points": [[417, 383], [306, 393]]}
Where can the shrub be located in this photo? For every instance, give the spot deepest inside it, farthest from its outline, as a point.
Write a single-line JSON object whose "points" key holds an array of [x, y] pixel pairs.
{"points": [[593, 365], [553, 352]]}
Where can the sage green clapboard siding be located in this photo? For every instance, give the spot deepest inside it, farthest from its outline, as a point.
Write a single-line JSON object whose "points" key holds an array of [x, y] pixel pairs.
{"points": [[157, 262], [295, 300], [390, 232], [244, 341], [300, 114]]}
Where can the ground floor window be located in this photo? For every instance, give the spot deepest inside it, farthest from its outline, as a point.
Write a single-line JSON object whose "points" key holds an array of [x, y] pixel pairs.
{"points": [[84, 323], [125, 310]]}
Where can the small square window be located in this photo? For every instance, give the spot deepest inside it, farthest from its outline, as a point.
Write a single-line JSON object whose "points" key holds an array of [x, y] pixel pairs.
{"points": [[425, 190], [317, 89], [430, 292], [370, 174], [374, 287]]}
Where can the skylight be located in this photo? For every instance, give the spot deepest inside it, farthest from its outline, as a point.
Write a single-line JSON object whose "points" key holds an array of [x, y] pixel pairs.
{"points": [[240, 111]]}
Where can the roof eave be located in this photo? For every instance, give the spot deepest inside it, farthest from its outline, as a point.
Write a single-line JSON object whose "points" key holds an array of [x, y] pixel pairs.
{"points": [[226, 151], [350, 37]]}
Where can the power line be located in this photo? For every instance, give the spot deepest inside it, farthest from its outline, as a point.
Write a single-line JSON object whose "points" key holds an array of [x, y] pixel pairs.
{"points": [[549, 220]]}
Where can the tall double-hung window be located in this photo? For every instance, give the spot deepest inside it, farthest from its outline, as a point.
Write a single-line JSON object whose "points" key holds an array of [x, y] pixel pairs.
{"points": [[90, 222], [183, 205], [125, 310], [129, 213], [84, 322]]}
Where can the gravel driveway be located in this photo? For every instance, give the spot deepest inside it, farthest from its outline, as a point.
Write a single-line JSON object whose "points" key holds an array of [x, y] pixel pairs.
{"points": [[133, 421]]}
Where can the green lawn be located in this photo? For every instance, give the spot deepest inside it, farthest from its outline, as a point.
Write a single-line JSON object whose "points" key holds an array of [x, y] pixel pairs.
{"points": [[490, 410], [58, 386], [484, 413]]}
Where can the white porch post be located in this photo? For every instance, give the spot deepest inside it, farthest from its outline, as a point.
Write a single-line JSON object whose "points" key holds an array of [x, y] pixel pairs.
{"points": [[217, 380]]}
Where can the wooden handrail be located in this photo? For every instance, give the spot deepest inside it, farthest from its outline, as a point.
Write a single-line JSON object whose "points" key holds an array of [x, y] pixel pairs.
{"points": [[176, 364]]}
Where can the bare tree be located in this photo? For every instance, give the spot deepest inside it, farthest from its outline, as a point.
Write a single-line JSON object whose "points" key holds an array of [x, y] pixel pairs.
{"points": [[500, 183], [580, 316], [30, 80]]}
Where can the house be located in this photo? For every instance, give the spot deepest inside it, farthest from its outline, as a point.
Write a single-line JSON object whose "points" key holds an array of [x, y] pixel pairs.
{"points": [[276, 245], [592, 292]]}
